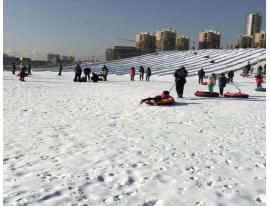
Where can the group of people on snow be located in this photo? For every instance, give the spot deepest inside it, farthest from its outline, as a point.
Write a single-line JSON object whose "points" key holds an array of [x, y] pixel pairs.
{"points": [[147, 73], [87, 72]]}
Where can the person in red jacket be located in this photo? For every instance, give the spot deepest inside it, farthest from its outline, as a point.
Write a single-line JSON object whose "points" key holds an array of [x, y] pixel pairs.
{"points": [[132, 73], [259, 80], [163, 95]]}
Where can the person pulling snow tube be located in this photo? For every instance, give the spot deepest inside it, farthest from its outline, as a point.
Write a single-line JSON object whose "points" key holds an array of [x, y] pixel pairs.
{"points": [[206, 94], [235, 95], [260, 89], [162, 102]]}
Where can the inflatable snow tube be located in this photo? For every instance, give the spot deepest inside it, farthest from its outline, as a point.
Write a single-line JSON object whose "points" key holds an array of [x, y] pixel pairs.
{"points": [[260, 89], [19, 74], [206, 94], [235, 95], [162, 102]]}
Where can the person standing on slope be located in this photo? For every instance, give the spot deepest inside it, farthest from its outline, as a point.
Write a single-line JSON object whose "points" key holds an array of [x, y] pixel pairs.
{"points": [[78, 73], [211, 83], [148, 74], [222, 83], [87, 72], [230, 75], [60, 69], [141, 72], [13, 68], [201, 75], [180, 80], [104, 72], [132, 73]]}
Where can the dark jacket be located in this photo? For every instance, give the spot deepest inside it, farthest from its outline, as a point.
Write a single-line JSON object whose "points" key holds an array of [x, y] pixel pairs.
{"points": [[201, 73], [104, 71], [181, 74], [87, 71], [141, 70], [231, 74], [222, 81], [78, 69], [94, 77], [148, 71]]}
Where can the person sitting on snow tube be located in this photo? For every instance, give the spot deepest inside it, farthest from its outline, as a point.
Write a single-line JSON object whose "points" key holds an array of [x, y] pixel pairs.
{"points": [[164, 95]]}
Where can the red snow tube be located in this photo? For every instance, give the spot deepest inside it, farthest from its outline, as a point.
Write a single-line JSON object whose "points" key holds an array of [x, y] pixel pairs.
{"points": [[206, 94], [204, 83], [236, 95], [19, 74]]}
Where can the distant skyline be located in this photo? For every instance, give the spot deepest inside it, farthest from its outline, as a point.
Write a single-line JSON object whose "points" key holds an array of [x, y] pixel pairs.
{"points": [[85, 28]]}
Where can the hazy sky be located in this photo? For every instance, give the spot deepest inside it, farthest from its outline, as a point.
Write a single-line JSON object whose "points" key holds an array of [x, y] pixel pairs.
{"points": [[85, 28]]}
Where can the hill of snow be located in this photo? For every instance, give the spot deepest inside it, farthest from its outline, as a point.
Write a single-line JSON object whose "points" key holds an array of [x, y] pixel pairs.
{"points": [[69, 143]]}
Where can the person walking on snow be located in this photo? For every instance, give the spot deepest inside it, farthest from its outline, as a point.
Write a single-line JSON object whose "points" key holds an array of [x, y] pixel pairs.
{"points": [[132, 73], [13, 68], [201, 75], [222, 83], [148, 74], [22, 72], [259, 80], [87, 72], [211, 83], [180, 80], [104, 72], [230, 75], [78, 73], [60, 69], [141, 72]]}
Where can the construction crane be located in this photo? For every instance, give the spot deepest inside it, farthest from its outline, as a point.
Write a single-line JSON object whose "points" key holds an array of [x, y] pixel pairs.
{"points": [[124, 39]]}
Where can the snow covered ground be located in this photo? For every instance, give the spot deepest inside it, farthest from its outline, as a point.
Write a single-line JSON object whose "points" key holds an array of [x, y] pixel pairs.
{"points": [[69, 143]]}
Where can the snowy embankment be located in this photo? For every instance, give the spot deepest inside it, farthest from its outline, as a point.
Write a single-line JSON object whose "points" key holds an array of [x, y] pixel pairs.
{"points": [[69, 143]]}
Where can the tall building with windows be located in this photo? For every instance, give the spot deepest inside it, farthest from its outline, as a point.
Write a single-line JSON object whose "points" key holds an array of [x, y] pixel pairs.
{"points": [[120, 52], [182, 42], [165, 40], [209, 39], [260, 40], [245, 41], [253, 24], [145, 42]]}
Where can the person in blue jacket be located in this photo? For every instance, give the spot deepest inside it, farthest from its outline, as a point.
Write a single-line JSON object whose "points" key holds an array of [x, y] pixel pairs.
{"points": [[222, 80]]}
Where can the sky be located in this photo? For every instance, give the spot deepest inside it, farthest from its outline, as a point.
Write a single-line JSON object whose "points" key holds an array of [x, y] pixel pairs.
{"points": [[85, 28]]}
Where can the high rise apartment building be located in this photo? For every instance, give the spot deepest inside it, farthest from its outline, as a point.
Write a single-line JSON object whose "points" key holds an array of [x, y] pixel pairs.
{"points": [[182, 42], [253, 24], [145, 42], [260, 40], [165, 40], [209, 39]]}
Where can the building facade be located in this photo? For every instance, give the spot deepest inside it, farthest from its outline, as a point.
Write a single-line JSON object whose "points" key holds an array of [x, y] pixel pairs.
{"points": [[53, 58], [260, 40], [245, 41], [209, 39], [120, 52], [253, 23], [165, 40], [182, 43], [68, 60], [145, 43]]}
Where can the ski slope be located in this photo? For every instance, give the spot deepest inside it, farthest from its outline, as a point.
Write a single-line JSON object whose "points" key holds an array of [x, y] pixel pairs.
{"points": [[165, 63]]}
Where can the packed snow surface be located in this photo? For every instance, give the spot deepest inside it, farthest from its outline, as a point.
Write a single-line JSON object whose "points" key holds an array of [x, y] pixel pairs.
{"points": [[69, 143]]}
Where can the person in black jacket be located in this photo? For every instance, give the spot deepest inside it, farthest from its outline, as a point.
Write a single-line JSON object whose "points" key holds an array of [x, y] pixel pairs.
{"points": [[230, 75], [222, 83], [201, 75], [78, 73], [60, 69], [148, 74], [104, 72], [94, 77], [13, 68], [180, 80], [87, 72], [23, 72], [141, 72]]}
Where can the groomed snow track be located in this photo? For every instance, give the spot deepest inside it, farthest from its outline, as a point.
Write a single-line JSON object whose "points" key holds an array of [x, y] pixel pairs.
{"points": [[165, 63]]}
